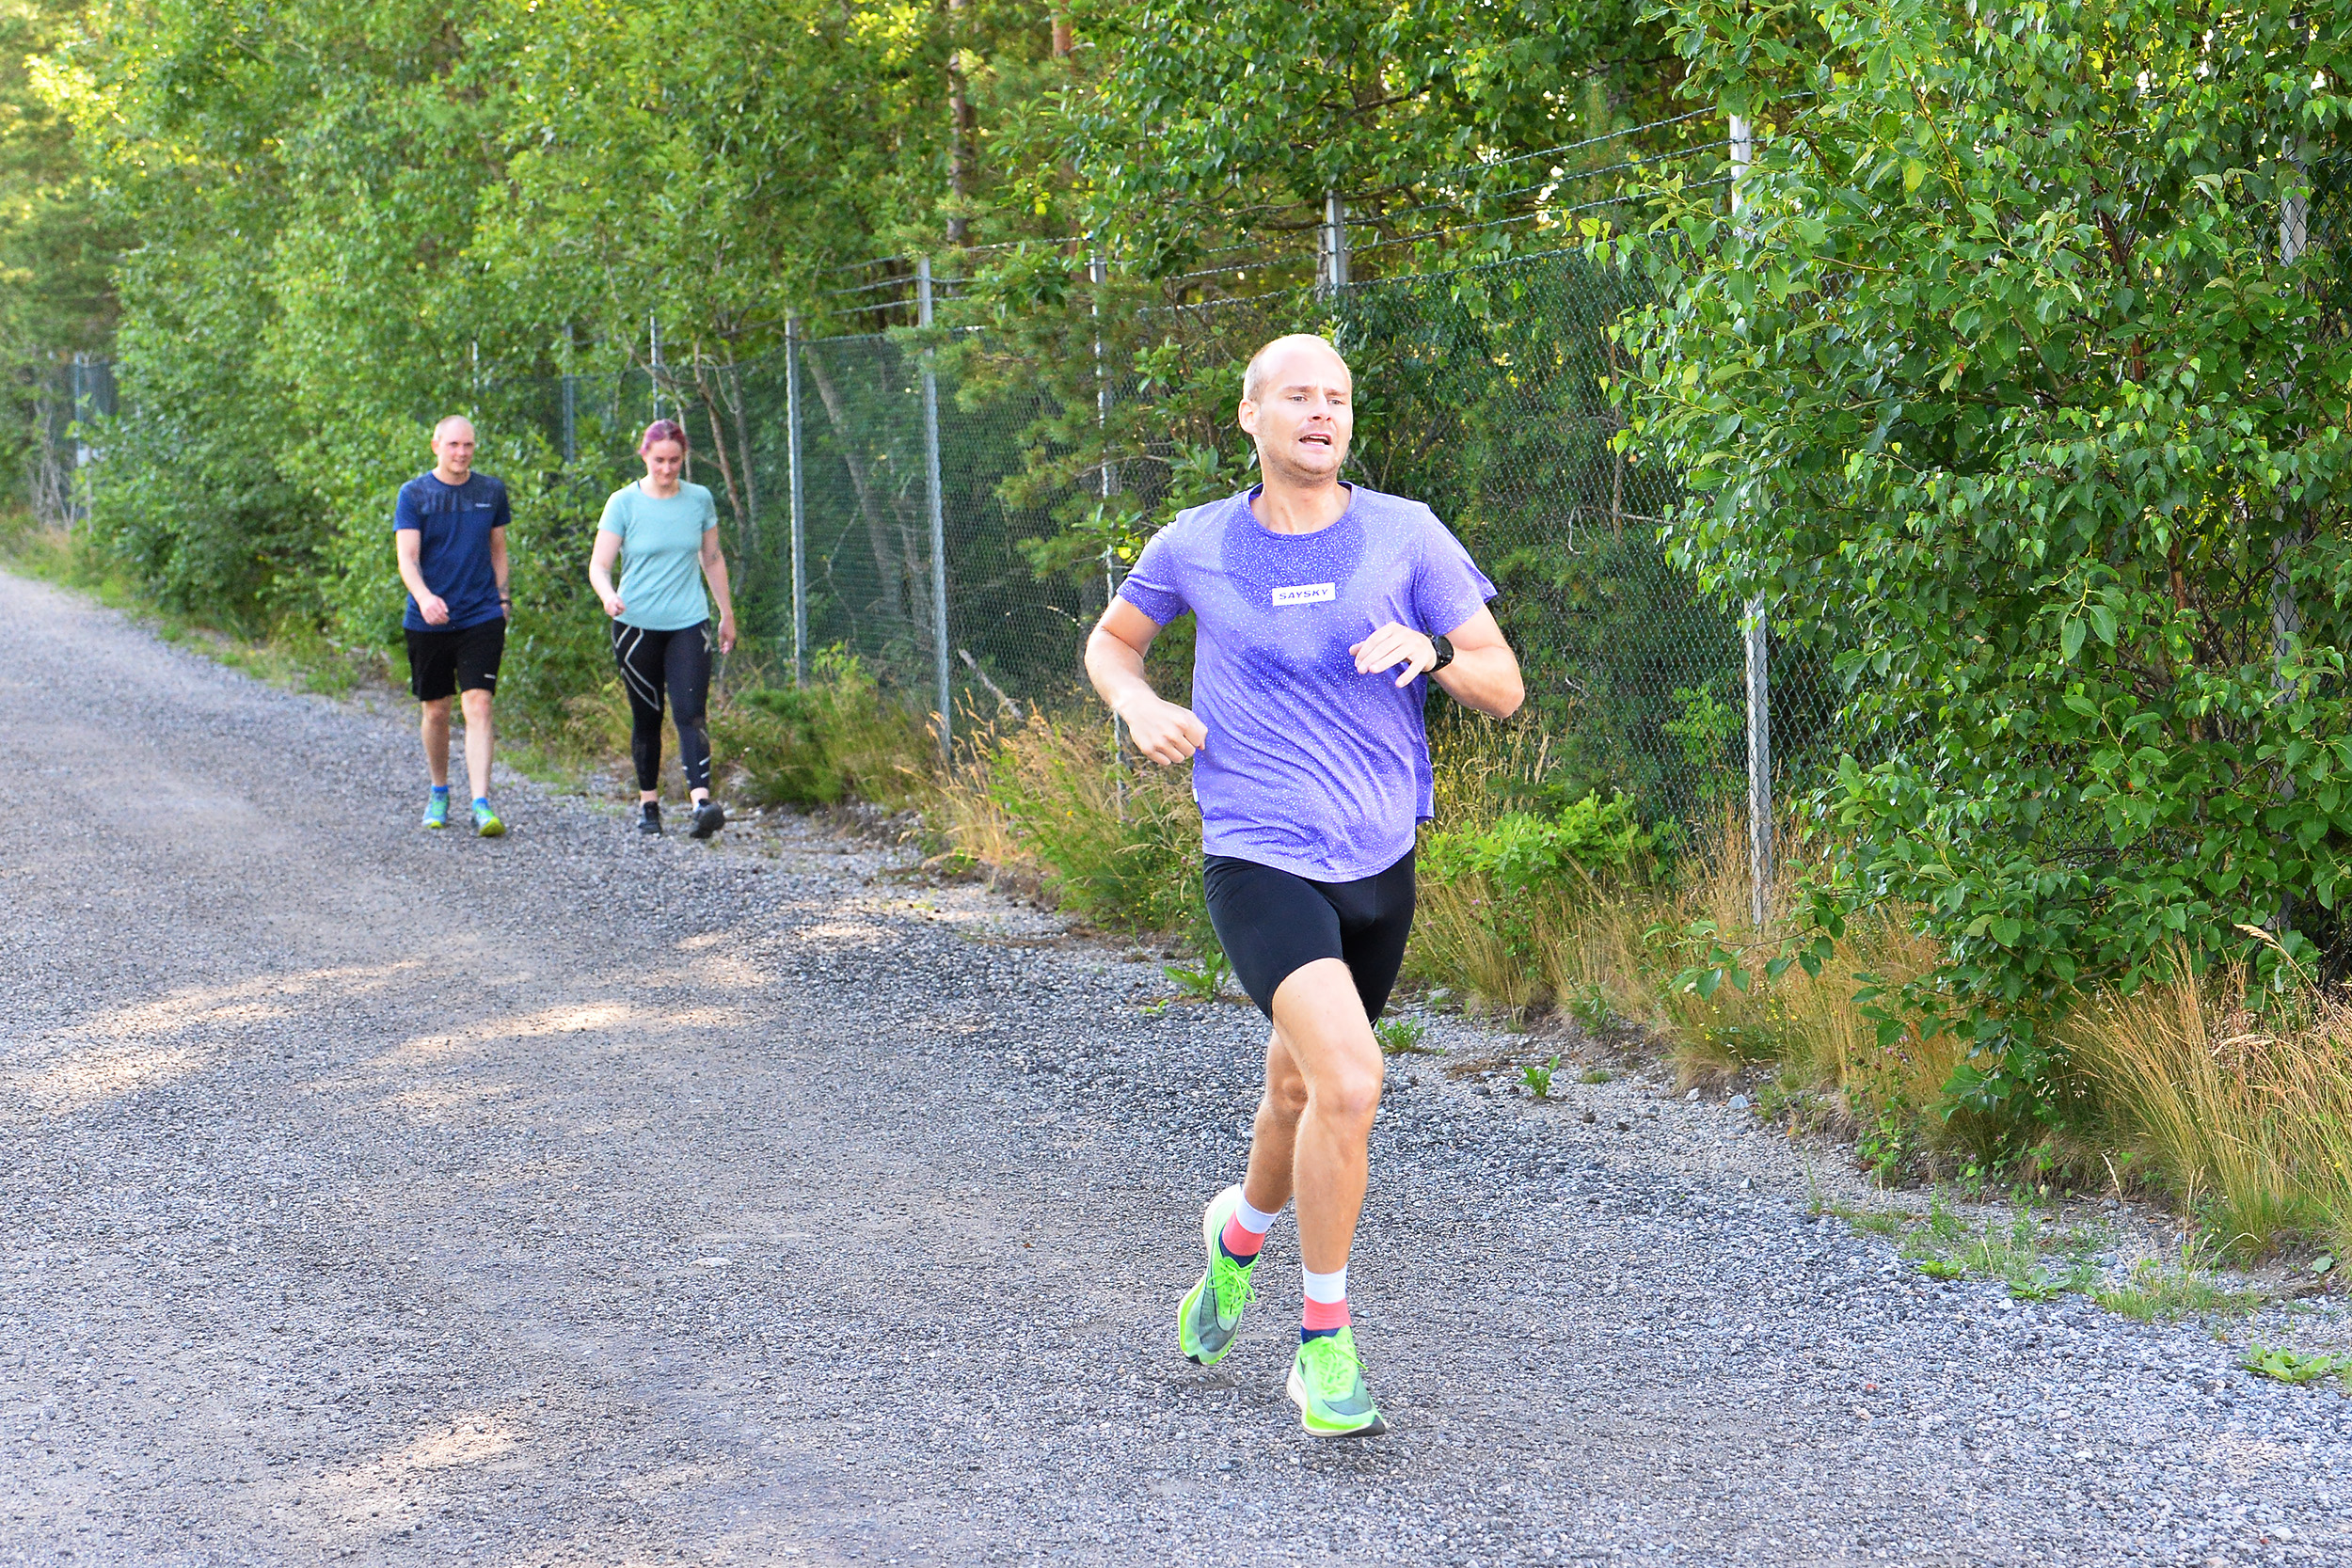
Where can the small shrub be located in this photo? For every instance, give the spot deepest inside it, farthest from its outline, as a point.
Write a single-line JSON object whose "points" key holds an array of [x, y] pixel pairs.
{"points": [[841, 737]]}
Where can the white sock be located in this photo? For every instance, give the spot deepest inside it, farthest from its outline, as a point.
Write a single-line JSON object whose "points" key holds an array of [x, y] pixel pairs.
{"points": [[1329, 1289], [1256, 1221]]}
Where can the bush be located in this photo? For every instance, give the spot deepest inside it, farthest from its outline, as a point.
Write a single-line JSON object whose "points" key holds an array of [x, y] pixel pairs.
{"points": [[841, 736], [2040, 459]]}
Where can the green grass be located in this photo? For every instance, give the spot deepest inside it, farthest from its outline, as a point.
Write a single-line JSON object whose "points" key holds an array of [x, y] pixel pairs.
{"points": [[2041, 1262], [2168, 1290]]}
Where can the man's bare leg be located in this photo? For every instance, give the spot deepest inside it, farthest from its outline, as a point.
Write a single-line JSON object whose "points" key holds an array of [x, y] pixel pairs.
{"points": [[478, 737], [434, 727], [1313, 1129]]}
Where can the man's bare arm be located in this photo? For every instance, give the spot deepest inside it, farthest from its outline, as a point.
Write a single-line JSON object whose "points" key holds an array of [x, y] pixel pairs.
{"points": [[1161, 730]]}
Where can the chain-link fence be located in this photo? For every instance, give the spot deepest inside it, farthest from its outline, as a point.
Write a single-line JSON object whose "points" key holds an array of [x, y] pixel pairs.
{"points": [[883, 530], [864, 488], [68, 399], [921, 502]]}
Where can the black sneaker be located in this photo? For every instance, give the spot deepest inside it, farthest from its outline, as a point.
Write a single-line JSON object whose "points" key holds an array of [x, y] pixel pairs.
{"points": [[709, 818], [649, 818]]}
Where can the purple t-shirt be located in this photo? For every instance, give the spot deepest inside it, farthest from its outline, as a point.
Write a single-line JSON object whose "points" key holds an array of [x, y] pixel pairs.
{"points": [[1310, 768]]}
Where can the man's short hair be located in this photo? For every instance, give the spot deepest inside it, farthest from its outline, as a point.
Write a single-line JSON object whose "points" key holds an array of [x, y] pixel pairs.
{"points": [[448, 419], [1255, 375]]}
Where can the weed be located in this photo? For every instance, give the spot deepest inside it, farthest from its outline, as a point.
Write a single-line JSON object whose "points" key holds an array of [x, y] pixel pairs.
{"points": [[1589, 1006], [1539, 1078], [2288, 1366], [1878, 1222], [1594, 1075], [839, 736], [1400, 1036], [1115, 843], [1206, 983]]}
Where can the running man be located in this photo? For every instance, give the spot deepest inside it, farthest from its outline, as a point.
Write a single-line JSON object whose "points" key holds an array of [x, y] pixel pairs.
{"points": [[1319, 606], [449, 528], [667, 532]]}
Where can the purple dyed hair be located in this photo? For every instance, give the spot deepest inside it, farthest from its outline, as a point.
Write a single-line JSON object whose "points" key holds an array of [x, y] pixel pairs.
{"points": [[663, 430]]}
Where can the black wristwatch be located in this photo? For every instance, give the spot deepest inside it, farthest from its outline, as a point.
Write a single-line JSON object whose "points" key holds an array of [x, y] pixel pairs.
{"points": [[1445, 653]]}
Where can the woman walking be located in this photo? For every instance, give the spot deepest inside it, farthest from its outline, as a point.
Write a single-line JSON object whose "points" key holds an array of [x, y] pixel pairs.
{"points": [[666, 534]]}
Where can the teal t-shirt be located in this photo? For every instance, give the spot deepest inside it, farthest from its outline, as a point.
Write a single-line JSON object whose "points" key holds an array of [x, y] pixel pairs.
{"points": [[661, 543]]}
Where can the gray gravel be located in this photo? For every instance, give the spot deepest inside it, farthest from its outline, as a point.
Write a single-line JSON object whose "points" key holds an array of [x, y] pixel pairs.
{"points": [[400, 1198]]}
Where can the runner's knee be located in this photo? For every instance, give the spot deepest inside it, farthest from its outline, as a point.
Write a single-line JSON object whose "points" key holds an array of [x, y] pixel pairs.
{"points": [[1349, 1092]]}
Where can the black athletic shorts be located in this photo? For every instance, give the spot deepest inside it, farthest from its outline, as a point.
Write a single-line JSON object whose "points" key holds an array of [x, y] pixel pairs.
{"points": [[440, 662], [1273, 923]]}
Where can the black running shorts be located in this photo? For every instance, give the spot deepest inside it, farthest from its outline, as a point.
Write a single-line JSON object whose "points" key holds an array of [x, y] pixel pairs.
{"points": [[1273, 923], [440, 662]]}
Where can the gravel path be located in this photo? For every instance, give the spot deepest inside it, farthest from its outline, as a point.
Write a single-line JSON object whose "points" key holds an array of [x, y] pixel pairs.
{"points": [[407, 1197]]}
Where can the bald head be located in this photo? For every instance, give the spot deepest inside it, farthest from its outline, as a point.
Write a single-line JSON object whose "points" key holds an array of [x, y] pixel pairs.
{"points": [[1299, 360], [1298, 404], [452, 449]]}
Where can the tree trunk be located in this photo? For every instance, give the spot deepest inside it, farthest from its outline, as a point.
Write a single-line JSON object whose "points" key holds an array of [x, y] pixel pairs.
{"points": [[888, 573], [963, 126]]}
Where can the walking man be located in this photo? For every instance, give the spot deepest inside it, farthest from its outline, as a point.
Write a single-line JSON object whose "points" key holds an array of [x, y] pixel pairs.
{"points": [[449, 528], [1323, 611]]}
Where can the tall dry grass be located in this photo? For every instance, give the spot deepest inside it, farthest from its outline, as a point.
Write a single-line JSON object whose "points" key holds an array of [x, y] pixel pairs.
{"points": [[2243, 1112], [1117, 841]]}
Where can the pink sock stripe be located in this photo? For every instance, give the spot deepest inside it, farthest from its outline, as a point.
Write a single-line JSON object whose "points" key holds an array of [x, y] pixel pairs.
{"points": [[1239, 1239], [1325, 1314]]}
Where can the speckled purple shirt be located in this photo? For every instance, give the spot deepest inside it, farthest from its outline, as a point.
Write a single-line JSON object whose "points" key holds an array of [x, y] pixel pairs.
{"points": [[1310, 768]]}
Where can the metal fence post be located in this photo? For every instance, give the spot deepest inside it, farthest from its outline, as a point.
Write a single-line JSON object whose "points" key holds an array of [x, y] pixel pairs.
{"points": [[800, 526], [939, 523], [1334, 246], [2286, 614], [1097, 273], [1757, 635], [571, 403]]}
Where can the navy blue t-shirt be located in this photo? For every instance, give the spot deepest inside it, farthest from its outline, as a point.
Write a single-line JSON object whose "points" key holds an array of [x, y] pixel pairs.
{"points": [[453, 552]]}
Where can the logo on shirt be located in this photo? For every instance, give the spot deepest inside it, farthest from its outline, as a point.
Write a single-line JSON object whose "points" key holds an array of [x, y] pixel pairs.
{"points": [[1306, 593]]}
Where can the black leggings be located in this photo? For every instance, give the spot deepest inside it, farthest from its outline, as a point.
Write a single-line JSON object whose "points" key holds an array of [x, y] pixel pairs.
{"points": [[678, 662]]}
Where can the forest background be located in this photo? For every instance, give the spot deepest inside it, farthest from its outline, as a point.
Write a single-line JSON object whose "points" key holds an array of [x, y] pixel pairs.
{"points": [[2004, 361]]}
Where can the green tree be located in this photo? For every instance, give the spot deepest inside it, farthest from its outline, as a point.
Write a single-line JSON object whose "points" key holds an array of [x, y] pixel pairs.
{"points": [[56, 246], [2000, 384]]}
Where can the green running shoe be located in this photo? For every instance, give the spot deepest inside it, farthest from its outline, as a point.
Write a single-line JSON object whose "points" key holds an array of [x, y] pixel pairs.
{"points": [[436, 811], [1212, 1309], [485, 821], [1326, 1384]]}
